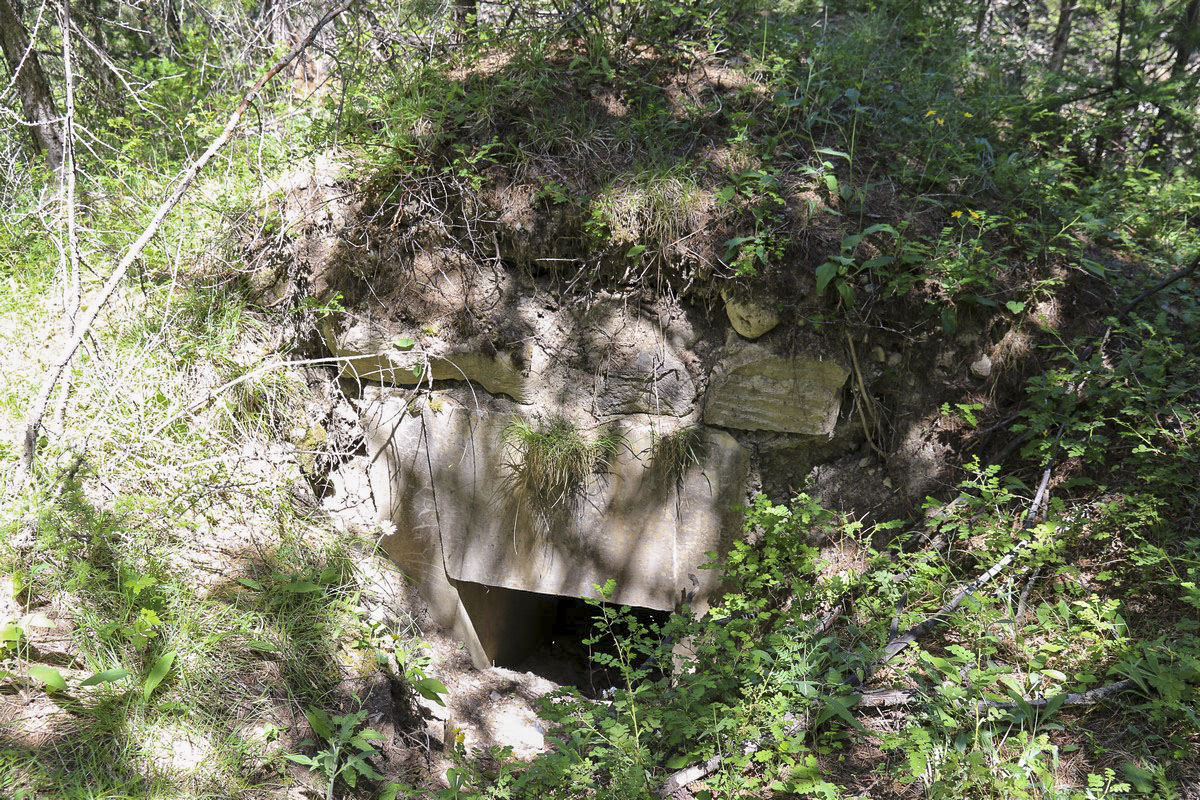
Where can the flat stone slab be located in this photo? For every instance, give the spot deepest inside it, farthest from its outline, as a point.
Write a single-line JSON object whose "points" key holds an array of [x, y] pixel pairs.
{"points": [[378, 360], [755, 390]]}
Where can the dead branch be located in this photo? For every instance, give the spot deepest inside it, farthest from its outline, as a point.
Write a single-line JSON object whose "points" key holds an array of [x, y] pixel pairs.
{"points": [[37, 411], [890, 698]]}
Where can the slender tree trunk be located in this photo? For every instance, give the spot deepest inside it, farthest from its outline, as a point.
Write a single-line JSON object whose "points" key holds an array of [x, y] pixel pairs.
{"points": [[31, 86], [1062, 34], [37, 411], [981, 19], [174, 22]]}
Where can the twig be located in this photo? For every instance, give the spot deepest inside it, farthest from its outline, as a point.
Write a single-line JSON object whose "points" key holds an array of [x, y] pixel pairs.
{"points": [[37, 411], [888, 698], [897, 644]]}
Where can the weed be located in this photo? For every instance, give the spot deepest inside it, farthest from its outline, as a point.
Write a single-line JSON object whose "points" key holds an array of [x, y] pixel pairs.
{"points": [[674, 453], [347, 748], [549, 465]]}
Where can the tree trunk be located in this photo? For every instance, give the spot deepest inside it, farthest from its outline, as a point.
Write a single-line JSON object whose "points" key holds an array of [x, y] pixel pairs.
{"points": [[174, 22], [31, 86], [981, 19], [1062, 34]]}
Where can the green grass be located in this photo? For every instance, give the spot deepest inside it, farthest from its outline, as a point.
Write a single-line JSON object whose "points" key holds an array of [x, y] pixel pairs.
{"points": [[550, 464]]}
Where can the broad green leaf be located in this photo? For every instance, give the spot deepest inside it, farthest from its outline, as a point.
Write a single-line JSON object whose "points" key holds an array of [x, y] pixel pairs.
{"points": [[431, 689], [635, 251], [320, 722], [366, 769], [949, 321], [839, 707], [831, 183], [250, 583], [262, 646], [159, 671], [49, 676], [1142, 780], [301, 587], [878, 261], [11, 633], [825, 273], [300, 759], [1053, 704], [983, 301], [880, 227], [1015, 306], [827, 151], [677, 762], [851, 242], [107, 676], [847, 293], [403, 343]]}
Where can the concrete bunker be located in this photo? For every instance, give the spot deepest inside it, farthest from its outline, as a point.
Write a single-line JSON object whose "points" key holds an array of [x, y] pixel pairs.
{"points": [[490, 570]]}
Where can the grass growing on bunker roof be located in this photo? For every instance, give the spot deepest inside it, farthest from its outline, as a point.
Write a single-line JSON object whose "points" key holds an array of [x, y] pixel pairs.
{"points": [[548, 464]]}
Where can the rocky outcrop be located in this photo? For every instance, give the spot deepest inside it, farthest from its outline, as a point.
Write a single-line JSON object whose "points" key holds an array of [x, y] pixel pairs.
{"points": [[754, 389]]}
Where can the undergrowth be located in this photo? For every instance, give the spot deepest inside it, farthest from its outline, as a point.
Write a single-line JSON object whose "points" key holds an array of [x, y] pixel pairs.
{"points": [[177, 610]]}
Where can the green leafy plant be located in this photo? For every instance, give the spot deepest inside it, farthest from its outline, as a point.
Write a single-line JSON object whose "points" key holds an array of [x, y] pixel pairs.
{"points": [[347, 748], [840, 269]]}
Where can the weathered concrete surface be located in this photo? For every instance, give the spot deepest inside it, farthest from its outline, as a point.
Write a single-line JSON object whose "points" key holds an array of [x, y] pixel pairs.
{"points": [[756, 390], [439, 477]]}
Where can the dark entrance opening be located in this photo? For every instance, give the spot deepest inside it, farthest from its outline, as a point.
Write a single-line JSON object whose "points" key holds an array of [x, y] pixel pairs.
{"points": [[546, 634], [564, 656]]}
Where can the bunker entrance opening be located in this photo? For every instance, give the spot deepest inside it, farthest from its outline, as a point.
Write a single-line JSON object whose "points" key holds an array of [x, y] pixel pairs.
{"points": [[552, 636]]}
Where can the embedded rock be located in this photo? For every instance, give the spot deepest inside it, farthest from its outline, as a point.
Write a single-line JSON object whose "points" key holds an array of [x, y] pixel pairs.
{"points": [[650, 382], [982, 367], [748, 318], [377, 359], [756, 390]]}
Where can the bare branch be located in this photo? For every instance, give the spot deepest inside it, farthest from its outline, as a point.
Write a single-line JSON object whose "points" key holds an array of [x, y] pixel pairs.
{"points": [[37, 411]]}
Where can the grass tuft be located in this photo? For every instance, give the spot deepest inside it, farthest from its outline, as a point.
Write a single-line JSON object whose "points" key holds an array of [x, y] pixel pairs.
{"points": [[549, 465]]}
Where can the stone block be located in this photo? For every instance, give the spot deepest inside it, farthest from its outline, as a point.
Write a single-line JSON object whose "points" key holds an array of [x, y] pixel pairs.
{"points": [[756, 390]]}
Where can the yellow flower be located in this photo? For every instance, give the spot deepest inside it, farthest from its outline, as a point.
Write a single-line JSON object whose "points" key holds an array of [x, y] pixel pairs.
{"points": [[974, 214], [968, 114], [941, 121], [956, 214], [931, 112]]}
